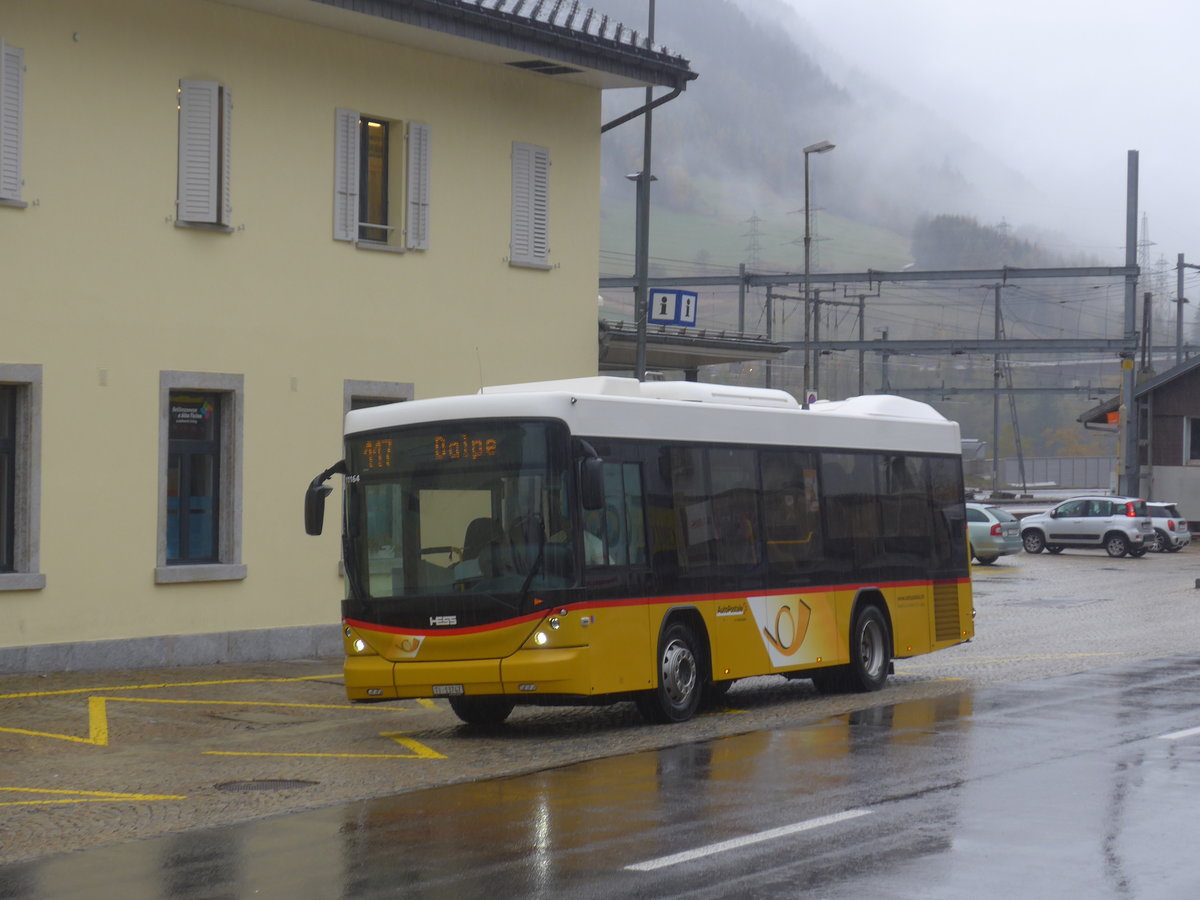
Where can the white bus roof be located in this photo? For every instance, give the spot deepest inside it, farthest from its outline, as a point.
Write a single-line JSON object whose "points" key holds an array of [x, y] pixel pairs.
{"points": [[604, 406]]}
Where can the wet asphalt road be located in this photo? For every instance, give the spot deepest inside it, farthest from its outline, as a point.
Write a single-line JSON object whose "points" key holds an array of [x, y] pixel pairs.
{"points": [[973, 772]]}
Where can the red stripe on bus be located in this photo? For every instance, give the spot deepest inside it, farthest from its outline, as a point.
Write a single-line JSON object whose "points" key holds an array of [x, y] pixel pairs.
{"points": [[644, 601]]}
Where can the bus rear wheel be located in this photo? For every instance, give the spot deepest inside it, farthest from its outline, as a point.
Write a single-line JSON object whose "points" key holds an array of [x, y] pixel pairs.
{"points": [[482, 710], [870, 657], [680, 683]]}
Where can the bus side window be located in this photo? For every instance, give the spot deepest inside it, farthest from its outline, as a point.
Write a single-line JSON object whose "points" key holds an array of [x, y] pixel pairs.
{"points": [[949, 513], [905, 509], [733, 476], [791, 511], [616, 534], [695, 532], [851, 506]]}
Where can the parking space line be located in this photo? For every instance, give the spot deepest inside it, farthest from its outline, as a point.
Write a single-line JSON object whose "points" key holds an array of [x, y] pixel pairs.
{"points": [[420, 751], [170, 684], [736, 843], [977, 661], [69, 796], [1179, 735], [98, 714]]}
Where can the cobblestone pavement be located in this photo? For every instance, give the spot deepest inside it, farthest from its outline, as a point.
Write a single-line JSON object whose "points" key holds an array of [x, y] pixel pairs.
{"points": [[95, 758]]}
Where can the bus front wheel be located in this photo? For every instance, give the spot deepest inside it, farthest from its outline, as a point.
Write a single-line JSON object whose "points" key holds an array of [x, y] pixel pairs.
{"points": [[481, 710], [680, 684]]}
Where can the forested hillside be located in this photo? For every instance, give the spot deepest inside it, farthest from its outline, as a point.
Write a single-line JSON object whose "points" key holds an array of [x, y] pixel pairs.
{"points": [[730, 147]]}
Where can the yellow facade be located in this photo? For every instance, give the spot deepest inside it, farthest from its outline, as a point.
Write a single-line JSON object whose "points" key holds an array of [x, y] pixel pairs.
{"points": [[104, 291]]}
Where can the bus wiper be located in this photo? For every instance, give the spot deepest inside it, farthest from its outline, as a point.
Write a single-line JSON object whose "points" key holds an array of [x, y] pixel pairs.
{"points": [[533, 570], [537, 562]]}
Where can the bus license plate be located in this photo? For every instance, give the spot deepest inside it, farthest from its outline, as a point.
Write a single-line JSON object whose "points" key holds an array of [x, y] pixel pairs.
{"points": [[447, 690]]}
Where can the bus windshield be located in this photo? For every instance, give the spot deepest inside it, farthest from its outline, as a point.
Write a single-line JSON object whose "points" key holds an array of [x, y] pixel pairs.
{"points": [[477, 507]]}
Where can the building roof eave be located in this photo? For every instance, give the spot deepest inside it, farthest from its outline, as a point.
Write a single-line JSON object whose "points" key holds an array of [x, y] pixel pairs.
{"points": [[564, 39]]}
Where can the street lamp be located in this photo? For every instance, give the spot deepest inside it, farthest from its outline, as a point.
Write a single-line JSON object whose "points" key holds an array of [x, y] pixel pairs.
{"points": [[641, 250], [819, 147]]}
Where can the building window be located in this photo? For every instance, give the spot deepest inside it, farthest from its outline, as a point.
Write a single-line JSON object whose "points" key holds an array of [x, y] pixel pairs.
{"points": [[20, 477], [200, 487], [8, 475], [367, 153], [373, 180], [12, 93], [363, 394], [530, 242], [193, 473], [205, 128], [1191, 436]]}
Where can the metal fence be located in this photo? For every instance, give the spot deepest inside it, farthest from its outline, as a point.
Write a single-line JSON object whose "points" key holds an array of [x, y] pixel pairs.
{"points": [[1056, 471]]}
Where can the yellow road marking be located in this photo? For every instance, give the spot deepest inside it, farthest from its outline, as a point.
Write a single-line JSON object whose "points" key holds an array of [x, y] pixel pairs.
{"points": [[906, 664], [70, 796], [169, 684], [420, 751], [98, 715]]}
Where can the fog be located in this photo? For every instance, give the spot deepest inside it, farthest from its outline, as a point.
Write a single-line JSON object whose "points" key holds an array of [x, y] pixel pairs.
{"points": [[1058, 90], [1021, 112]]}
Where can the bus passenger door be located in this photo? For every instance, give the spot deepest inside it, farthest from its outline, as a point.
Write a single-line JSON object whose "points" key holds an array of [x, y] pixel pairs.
{"points": [[615, 567]]}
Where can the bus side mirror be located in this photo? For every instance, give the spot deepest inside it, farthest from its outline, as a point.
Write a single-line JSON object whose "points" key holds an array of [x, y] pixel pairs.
{"points": [[314, 507], [314, 498], [591, 482]]}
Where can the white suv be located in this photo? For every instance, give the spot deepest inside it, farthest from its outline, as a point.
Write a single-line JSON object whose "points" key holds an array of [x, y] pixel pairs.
{"points": [[1119, 525]]}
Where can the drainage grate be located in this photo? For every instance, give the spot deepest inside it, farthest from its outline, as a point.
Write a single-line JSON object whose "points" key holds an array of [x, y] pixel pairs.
{"points": [[264, 784]]}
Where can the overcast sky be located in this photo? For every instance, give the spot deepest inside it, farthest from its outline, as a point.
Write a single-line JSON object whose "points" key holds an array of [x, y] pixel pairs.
{"points": [[1060, 89]]}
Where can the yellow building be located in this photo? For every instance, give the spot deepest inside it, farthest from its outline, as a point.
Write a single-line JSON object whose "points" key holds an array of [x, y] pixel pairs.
{"points": [[224, 224]]}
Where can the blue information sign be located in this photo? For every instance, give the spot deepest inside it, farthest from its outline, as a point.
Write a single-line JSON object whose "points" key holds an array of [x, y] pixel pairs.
{"points": [[673, 308]]}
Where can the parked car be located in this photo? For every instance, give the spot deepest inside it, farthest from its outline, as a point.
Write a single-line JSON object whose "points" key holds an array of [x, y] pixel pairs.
{"points": [[1171, 530], [1118, 525], [993, 532]]}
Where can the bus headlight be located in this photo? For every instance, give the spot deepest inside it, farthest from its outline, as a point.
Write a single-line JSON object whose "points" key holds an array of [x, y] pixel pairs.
{"points": [[541, 639], [360, 645], [554, 623]]}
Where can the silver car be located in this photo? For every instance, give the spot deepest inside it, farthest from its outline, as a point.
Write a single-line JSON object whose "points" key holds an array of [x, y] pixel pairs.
{"points": [[1171, 530], [993, 532], [1118, 525]]}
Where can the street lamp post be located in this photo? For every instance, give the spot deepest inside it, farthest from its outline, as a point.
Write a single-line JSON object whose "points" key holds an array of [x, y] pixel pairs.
{"points": [[641, 302], [819, 147]]}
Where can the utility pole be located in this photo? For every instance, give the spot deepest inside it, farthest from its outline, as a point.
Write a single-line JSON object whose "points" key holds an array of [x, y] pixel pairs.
{"points": [[741, 298], [996, 399], [1127, 483], [884, 386], [642, 251], [862, 355], [1147, 333], [770, 328], [816, 369], [1179, 301]]}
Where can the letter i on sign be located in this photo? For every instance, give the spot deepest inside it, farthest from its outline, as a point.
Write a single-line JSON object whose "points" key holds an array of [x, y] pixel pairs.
{"points": [[662, 306]]}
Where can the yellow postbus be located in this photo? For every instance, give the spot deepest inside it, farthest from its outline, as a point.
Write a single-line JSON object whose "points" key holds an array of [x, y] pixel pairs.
{"points": [[604, 539]]}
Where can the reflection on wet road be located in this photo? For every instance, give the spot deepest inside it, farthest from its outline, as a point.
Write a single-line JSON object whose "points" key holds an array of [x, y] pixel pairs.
{"points": [[1083, 785]]}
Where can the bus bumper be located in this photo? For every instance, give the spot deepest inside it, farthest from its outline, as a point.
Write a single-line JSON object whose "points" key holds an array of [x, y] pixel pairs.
{"points": [[525, 673]]}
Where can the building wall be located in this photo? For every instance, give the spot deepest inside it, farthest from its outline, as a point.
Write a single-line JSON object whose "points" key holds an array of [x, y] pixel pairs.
{"points": [[105, 292]]}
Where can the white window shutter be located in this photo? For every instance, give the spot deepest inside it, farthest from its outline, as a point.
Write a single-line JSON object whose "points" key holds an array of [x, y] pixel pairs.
{"points": [[12, 78], [345, 175], [417, 189], [541, 204], [199, 176], [226, 134], [530, 205]]}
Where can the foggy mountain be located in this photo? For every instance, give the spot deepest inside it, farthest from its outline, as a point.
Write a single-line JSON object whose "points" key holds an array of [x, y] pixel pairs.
{"points": [[730, 146]]}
